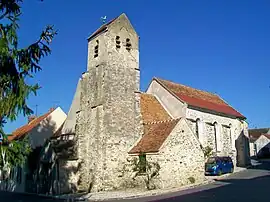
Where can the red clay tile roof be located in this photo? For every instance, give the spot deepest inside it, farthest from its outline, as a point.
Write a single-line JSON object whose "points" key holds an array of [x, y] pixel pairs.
{"points": [[254, 134], [101, 29], [157, 125], [154, 136], [151, 109], [22, 131], [200, 99]]}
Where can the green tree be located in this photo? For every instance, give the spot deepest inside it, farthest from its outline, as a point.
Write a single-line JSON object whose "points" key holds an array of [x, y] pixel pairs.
{"points": [[16, 65]]}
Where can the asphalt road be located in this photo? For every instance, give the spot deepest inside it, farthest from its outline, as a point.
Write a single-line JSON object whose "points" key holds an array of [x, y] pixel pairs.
{"points": [[251, 185], [16, 197]]}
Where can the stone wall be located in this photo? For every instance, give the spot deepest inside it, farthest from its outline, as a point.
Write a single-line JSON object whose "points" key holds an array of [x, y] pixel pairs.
{"points": [[227, 142], [229, 130], [210, 136], [109, 121], [180, 158], [192, 125]]}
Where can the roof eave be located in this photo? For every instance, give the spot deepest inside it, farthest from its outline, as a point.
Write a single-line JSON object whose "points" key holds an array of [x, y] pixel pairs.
{"points": [[105, 29], [216, 112], [138, 153]]}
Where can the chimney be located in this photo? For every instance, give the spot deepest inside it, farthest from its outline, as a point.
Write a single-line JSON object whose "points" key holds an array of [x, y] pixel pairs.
{"points": [[51, 109], [31, 118]]}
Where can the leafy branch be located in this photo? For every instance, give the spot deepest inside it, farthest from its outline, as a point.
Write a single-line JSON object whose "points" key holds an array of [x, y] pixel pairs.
{"points": [[16, 66]]}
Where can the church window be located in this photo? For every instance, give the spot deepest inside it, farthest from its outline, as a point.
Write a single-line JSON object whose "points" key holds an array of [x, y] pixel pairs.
{"points": [[118, 42], [197, 127], [218, 137], [96, 49], [232, 140], [128, 44]]}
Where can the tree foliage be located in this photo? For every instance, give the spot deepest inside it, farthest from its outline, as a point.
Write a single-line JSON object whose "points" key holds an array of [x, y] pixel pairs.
{"points": [[16, 66], [15, 152]]}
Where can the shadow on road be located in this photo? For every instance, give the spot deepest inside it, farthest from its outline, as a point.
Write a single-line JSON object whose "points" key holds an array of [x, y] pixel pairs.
{"points": [[260, 164], [250, 185]]}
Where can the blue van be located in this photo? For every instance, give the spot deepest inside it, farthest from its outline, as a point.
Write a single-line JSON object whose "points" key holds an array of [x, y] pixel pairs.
{"points": [[219, 165]]}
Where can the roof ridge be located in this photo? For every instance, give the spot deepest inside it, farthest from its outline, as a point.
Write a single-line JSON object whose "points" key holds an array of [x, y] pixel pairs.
{"points": [[180, 84], [163, 121]]}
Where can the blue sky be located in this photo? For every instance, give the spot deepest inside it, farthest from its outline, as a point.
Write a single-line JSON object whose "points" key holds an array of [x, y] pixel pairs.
{"points": [[218, 46]]}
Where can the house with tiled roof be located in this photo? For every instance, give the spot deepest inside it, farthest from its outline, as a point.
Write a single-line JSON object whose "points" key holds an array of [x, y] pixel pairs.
{"points": [[118, 131], [259, 142], [38, 130]]}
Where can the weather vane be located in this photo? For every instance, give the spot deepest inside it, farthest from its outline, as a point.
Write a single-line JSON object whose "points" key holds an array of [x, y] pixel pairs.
{"points": [[103, 19]]}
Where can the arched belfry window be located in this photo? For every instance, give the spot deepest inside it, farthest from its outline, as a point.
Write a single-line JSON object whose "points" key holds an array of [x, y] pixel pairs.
{"points": [[117, 42], [128, 44], [96, 49]]}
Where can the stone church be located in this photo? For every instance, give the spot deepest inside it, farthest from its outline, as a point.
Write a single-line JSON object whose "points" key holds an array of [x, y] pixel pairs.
{"points": [[111, 124]]}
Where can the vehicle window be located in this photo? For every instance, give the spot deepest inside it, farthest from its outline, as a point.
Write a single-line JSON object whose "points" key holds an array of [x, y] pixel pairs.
{"points": [[211, 160]]}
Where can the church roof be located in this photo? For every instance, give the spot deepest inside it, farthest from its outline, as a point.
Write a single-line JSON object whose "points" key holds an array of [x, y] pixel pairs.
{"points": [[151, 109], [155, 134], [157, 124], [199, 99], [22, 131], [254, 134], [101, 29]]}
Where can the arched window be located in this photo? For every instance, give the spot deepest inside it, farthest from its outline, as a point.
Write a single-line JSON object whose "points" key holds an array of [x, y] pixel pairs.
{"points": [[232, 138], [118, 42], [96, 49], [198, 123], [216, 136], [128, 44]]}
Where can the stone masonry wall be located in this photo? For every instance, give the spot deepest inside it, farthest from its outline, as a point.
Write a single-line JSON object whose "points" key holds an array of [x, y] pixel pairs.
{"points": [[227, 138], [227, 142], [210, 136], [109, 121], [180, 158], [192, 125]]}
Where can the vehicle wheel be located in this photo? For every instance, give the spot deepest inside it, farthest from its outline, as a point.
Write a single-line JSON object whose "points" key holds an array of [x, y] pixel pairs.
{"points": [[219, 172]]}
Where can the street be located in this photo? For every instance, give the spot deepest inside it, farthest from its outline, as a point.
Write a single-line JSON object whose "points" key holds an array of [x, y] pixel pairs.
{"points": [[249, 185], [17, 197]]}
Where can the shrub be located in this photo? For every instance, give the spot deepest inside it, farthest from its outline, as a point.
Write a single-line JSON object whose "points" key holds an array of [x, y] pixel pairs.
{"points": [[191, 180]]}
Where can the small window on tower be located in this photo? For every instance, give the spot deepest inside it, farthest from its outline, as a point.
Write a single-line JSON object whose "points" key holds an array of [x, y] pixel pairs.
{"points": [[96, 49], [128, 44], [117, 41]]}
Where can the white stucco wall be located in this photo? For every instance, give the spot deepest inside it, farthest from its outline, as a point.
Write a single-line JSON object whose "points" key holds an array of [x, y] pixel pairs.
{"points": [[47, 128], [262, 142], [69, 125], [171, 104]]}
